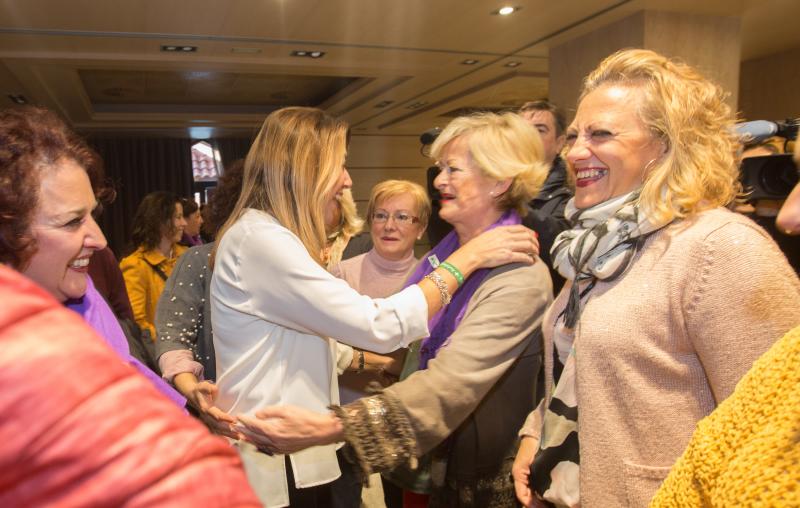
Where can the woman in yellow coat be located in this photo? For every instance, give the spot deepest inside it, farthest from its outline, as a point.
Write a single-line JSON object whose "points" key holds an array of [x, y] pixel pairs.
{"points": [[157, 228]]}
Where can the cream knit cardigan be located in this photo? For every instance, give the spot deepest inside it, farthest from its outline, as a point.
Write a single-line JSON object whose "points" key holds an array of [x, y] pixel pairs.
{"points": [[661, 346]]}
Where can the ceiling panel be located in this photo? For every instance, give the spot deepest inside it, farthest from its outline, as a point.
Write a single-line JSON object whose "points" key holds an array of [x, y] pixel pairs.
{"points": [[391, 67], [208, 88]]}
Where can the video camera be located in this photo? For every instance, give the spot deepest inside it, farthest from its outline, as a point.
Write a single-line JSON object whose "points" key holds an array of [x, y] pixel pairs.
{"points": [[770, 176]]}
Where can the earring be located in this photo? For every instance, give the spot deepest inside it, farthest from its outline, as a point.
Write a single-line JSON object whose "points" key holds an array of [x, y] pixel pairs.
{"points": [[491, 193]]}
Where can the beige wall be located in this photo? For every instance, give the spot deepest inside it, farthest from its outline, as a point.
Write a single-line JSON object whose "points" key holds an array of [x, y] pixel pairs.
{"points": [[710, 43], [572, 61], [770, 87]]}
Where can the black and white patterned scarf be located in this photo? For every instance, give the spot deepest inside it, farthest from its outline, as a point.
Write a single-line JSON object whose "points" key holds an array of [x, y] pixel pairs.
{"points": [[600, 246]]}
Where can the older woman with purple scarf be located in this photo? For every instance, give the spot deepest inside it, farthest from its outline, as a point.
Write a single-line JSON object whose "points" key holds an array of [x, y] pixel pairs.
{"points": [[477, 370], [47, 231]]}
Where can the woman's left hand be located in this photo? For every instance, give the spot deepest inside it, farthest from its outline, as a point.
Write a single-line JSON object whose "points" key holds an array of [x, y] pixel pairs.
{"points": [[288, 429], [520, 471]]}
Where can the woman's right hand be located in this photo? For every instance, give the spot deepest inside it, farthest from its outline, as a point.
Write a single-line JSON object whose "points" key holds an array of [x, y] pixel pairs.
{"points": [[496, 247], [201, 396]]}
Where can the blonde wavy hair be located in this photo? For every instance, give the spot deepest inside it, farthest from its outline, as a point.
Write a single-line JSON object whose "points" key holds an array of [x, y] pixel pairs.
{"points": [[504, 146], [688, 113], [392, 188], [290, 172], [348, 225]]}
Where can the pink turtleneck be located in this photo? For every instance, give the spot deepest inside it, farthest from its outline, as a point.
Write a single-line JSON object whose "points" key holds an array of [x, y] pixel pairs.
{"points": [[373, 275]]}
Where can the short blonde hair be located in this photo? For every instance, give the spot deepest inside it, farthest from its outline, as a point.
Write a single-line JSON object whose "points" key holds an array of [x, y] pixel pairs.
{"points": [[290, 172], [392, 188], [504, 146], [687, 112]]}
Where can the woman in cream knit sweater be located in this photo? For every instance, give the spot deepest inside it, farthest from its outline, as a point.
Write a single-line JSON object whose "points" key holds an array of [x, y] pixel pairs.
{"points": [[745, 453], [671, 296]]}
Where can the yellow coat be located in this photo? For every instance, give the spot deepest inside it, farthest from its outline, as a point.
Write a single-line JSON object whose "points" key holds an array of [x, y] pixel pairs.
{"points": [[747, 452], [145, 285]]}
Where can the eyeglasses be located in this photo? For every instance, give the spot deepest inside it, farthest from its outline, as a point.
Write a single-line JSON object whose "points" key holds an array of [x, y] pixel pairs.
{"points": [[401, 218]]}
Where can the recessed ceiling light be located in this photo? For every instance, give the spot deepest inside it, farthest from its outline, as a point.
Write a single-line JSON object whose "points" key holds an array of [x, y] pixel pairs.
{"points": [[506, 10], [416, 105], [383, 104], [179, 49], [469, 61], [513, 64], [310, 54]]}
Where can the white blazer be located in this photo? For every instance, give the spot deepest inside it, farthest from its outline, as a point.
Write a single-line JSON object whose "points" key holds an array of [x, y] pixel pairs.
{"points": [[275, 313]]}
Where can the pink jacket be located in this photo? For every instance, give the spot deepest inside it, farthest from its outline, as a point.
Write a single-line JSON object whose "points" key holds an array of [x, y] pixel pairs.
{"points": [[80, 427]]}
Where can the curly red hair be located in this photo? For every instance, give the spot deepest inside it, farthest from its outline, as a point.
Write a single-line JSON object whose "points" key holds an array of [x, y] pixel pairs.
{"points": [[32, 140]]}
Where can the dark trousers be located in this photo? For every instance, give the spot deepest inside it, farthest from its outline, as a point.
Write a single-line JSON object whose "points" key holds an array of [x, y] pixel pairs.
{"points": [[344, 492]]}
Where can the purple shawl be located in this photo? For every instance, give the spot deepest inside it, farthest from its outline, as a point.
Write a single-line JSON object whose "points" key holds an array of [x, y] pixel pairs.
{"points": [[443, 323], [96, 312]]}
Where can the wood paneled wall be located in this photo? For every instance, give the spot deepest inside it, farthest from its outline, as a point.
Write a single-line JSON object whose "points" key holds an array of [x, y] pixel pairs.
{"points": [[770, 87]]}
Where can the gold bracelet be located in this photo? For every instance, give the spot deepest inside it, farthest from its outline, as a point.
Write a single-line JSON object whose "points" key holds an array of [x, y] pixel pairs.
{"points": [[444, 294]]}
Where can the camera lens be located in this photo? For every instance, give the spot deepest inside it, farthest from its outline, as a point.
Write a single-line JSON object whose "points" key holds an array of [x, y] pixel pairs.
{"points": [[778, 181]]}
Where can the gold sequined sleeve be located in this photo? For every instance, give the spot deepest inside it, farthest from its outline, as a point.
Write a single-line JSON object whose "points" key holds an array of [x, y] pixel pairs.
{"points": [[378, 433]]}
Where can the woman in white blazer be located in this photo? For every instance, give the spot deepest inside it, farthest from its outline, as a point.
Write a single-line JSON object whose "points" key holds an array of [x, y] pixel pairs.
{"points": [[276, 310]]}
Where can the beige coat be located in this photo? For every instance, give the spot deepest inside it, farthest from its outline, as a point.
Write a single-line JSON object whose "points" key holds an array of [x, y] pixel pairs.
{"points": [[661, 346], [503, 313]]}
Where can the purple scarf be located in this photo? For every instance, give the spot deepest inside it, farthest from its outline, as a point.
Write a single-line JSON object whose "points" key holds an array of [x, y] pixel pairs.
{"points": [[443, 323], [96, 312]]}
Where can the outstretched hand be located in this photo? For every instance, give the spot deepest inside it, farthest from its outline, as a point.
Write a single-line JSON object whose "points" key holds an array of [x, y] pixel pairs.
{"points": [[503, 245], [288, 429], [201, 396]]}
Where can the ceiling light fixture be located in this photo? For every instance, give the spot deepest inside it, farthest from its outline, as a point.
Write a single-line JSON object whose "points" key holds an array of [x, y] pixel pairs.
{"points": [[383, 104], [469, 61], [416, 105], [513, 64], [506, 10], [310, 54], [179, 49]]}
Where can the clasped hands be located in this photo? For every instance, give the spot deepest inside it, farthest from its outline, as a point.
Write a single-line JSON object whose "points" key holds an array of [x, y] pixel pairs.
{"points": [[276, 429]]}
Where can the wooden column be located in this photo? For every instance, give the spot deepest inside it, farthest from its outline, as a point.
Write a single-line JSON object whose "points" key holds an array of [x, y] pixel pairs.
{"points": [[710, 43]]}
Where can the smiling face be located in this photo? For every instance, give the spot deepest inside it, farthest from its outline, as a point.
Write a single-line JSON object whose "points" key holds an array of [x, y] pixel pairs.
{"points": [[332, 212], [467, 194], [394, 239], [609, 148], [65, 232], [173, 229]]}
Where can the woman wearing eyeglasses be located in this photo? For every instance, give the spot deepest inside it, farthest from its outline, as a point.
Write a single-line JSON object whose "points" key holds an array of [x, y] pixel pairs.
{"points": [[477, 368], [397, 215]]}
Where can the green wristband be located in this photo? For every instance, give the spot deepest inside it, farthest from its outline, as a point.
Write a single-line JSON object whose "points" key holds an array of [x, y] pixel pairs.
{"points": [[454, 271]]}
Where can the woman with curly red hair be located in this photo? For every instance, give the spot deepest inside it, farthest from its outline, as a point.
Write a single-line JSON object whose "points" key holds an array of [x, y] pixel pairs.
{"points": [[47, 231]]}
